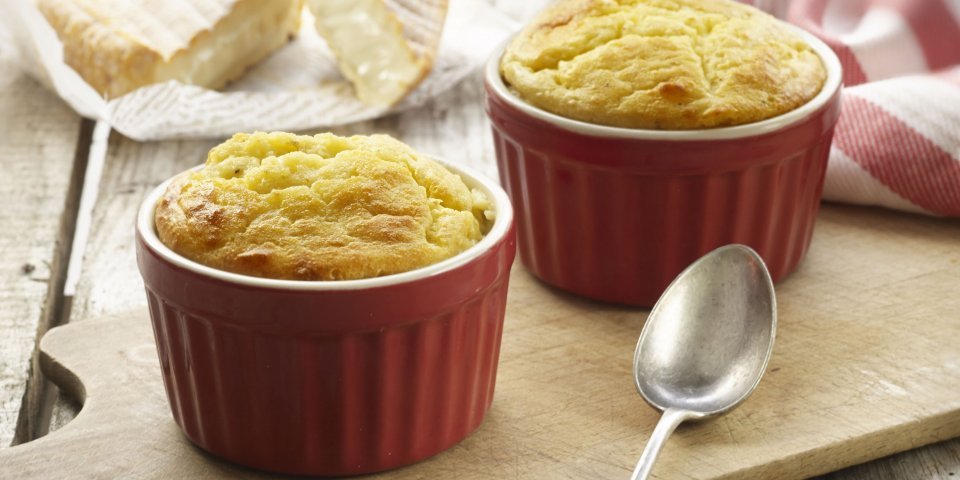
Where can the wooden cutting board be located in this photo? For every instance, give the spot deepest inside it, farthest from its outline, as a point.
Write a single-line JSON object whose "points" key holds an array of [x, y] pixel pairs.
{"points": [[867, 363]]}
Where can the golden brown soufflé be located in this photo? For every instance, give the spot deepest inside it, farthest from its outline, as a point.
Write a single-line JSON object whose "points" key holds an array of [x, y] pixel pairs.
{"points": [[321, 207], [661, 64]]}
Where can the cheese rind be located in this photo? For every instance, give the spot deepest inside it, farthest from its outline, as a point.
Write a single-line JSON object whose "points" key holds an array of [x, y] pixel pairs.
{"points": [[120, 45]]}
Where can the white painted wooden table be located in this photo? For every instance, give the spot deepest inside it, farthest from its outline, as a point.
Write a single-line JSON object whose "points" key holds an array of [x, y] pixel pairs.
{"points": [[44, 148]]}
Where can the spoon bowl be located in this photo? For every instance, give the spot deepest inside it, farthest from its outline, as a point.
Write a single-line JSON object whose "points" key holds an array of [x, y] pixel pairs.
{"points": [[706, 343]]}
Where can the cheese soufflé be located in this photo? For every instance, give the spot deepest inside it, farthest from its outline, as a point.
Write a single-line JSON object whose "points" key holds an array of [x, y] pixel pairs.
{"points": [[661, 64], [320, 207]]}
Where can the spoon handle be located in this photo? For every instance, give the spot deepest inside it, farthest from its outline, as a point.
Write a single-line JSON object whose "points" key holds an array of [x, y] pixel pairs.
{"points": [[667, 424]]}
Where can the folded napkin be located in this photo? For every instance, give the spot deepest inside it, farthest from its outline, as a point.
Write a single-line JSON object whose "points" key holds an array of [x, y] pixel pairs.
{"points": [[898, 140]]}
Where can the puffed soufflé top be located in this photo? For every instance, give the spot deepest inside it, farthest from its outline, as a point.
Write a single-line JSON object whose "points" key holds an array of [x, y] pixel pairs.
{"points": [[661, 64], [321, 207]]}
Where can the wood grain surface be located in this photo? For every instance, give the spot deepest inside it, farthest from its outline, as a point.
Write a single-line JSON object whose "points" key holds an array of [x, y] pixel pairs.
{"points": [[864, 366], [452, 126], [41, 138], [38, 143]]}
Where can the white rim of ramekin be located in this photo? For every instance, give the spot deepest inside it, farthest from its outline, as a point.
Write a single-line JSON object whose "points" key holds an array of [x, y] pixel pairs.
{"points": [[830, 87], [501, 226]]}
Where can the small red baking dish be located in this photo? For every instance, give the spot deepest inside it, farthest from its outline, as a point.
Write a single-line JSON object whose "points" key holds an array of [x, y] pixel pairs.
{"points": [[615, 214], [330, 378]]}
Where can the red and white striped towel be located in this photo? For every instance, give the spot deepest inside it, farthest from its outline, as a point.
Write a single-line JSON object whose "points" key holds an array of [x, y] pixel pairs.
{"points": [[898, 140]]}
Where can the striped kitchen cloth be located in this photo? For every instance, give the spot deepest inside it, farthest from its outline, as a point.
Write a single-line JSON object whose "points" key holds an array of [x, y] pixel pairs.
{"points": [[897, 143]]}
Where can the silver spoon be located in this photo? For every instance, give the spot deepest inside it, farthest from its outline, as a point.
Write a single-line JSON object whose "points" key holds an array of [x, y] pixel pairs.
{"points": [[706, 343]]}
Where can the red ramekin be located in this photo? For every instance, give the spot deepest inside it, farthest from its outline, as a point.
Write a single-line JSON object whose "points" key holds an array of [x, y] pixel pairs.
{"points": [[330, 378], [615, 214]]}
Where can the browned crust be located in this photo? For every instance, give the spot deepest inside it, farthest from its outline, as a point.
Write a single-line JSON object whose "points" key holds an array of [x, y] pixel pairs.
{"points": [[659, 64], [318, 208]]}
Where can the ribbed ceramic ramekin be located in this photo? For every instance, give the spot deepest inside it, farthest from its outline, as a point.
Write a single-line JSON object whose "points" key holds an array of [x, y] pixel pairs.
{"points": [[330, 378], [615, 214]]}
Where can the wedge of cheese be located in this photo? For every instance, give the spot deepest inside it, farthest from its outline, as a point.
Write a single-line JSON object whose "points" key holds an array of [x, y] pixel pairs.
{"points": [[370, 46], [120, 45]]}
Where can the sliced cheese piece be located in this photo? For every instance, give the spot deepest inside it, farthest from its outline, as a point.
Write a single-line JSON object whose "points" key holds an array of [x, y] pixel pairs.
{"points": [[120, 45], [371, 49]]}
